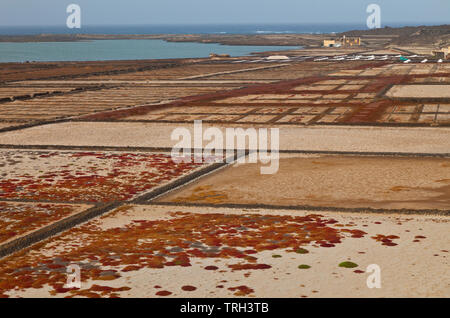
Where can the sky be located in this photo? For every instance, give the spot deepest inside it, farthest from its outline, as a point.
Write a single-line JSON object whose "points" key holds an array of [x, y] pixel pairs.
{"points": [[135, 12]]}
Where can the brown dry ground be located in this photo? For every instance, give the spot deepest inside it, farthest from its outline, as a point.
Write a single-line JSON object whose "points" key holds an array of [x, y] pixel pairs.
{"points": [[328, 181], [292, 138], [419, 91]]}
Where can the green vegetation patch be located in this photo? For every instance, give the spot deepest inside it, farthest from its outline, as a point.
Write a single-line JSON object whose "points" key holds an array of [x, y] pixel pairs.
{"points": [[348, 265], [301, 251]]}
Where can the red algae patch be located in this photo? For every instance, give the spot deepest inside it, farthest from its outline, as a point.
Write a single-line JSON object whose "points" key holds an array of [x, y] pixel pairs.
{"points": [[85, 176], [241, 290], [239, 267], [107, 251], [154, 250], [386, 239], [18, 218]]}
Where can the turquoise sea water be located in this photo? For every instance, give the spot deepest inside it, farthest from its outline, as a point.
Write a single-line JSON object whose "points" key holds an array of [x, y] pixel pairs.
{"points": [[119, 50], [149, 49]]}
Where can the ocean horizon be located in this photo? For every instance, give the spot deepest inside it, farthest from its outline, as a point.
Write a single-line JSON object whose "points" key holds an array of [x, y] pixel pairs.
{"points": [[315, 28]]}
